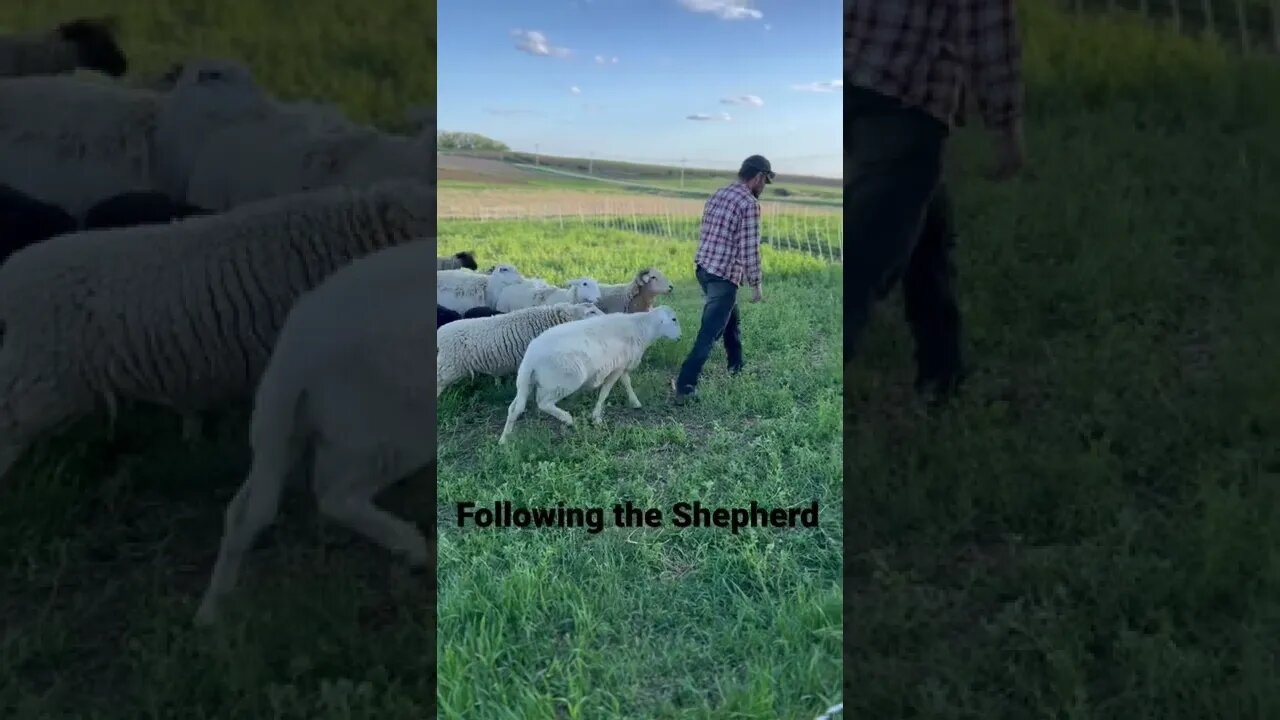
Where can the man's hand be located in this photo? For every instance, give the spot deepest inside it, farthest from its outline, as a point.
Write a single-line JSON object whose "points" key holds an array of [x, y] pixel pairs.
{"points": [[755, 294], [1009, 152]]}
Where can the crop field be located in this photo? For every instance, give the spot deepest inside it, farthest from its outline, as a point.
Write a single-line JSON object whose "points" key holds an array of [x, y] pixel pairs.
{"points": [[105, 547], [1093, 530], [648, 623]]}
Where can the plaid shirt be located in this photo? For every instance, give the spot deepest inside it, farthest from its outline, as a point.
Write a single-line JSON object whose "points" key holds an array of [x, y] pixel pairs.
{"points": [[729, 243], [920, 51]]}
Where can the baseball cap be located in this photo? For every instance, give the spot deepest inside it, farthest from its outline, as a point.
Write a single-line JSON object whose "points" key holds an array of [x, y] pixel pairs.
{"points": [[759, 164]]}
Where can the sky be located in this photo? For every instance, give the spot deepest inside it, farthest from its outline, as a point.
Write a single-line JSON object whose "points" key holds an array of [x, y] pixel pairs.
{"points": [[708, 82]]}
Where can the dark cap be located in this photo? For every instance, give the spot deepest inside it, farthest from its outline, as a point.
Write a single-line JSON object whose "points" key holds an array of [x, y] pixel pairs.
{"points": [[758, 163]]}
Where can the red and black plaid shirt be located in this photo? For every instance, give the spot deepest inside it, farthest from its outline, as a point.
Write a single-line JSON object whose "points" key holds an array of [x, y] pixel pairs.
{"points": [[729, 243], [920, 51]]}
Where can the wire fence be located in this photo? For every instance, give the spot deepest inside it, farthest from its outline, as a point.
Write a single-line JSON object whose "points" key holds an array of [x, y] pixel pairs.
{"points": [[782, 226], [1251, 25]]}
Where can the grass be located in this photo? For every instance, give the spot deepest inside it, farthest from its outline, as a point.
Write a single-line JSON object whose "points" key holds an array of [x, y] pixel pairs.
{"points": [[1093, 531], [656, 623], [103, 556]]}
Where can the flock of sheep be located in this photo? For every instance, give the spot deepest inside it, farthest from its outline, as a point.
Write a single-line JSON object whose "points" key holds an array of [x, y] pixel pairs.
{"points": [[557, 339], [258, 250]]}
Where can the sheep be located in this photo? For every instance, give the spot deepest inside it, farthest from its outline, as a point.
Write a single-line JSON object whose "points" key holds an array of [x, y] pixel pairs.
{"points": [[82, 43], [137, 208], [482, 311], [444, 316], [595, 353], [637, 295], [71, 142], [461, 290], [181, 315], [210, 96], [285, 153], [494, 345], [456, 261], [538, 292], [25, 221], [345, 379]]}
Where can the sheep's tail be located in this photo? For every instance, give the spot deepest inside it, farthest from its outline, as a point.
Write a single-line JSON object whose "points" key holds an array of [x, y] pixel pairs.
{"points": [[524, 377]]}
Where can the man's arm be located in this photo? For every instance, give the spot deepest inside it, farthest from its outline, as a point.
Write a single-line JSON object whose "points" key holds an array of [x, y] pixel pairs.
{"points": [[749, 235], [995, 62]]}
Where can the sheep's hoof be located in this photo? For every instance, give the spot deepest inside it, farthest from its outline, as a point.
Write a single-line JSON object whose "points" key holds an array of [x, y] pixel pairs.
{"points": [[206, 615], [597, 419], [635, 405]]}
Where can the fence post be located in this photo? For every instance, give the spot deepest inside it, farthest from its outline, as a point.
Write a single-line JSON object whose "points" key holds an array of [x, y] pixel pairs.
{"points": [[1275, 24], [1242, 20], [1177, 15]]}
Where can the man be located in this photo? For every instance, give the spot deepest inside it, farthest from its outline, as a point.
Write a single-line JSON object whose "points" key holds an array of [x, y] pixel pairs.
{"points": [[728, 257], [904, 64]]}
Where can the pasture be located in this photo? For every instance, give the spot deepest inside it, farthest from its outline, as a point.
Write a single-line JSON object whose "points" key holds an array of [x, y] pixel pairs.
{"points": [[648, 623], [1093, 530], [105, 547]]}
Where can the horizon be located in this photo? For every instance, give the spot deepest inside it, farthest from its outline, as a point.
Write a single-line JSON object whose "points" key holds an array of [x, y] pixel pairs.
{"points": [[665, 82]]}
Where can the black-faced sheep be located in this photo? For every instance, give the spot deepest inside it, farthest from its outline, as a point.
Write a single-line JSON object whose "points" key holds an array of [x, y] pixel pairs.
{"points": [[25, 220], [444, 316], [479, 312], [456, 261], [138, 208], [88, 43]]}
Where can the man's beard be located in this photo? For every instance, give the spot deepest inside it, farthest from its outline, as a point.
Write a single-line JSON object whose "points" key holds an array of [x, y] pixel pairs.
{"points": [[756, 191]]}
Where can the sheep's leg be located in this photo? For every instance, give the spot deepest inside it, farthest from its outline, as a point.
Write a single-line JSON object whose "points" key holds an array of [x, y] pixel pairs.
{"points": [[248, 514], [631, 393], [547, 399], [346, 483], [597, 415]]}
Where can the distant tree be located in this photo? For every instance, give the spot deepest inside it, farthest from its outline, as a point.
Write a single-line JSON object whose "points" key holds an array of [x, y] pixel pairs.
{"points": [[447, 140]]}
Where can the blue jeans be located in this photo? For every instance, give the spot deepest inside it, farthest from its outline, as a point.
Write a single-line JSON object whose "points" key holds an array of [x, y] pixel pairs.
{"points": [[719, 320]]}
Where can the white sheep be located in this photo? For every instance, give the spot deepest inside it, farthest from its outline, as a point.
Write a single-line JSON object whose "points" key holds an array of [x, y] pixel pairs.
{"points": [[181, 314], [209, 97], [535, 292], [346, 376], [462, 290], [494, 345], [72, 142], [291, 151], [81, 43], [637, 295], [593, 353]]}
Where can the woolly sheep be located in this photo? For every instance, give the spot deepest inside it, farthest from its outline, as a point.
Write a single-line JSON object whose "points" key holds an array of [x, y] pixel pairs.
{"points": [[494, 345], [444, 316], [82, 43], [25, 221], [286, 153], [461, 290], [345, 378], [457, 261], [593, 353], [137, 208], [182, 315], [538, 292], [72, 142], [637, 295]]}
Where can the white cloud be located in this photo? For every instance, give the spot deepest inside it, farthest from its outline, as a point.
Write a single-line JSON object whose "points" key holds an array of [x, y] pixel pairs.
{"points": [[575, 90], [724, 9], [822, 86], [535, 43], [705, 117], [746, 100], [602, 60]]}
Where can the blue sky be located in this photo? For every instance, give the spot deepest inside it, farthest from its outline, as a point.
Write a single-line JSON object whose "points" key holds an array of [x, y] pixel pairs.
{"points": [[620, 79]]}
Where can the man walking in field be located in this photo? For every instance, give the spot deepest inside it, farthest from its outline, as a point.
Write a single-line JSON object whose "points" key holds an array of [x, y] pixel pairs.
{"points": [[904, 65], [728, 257]]}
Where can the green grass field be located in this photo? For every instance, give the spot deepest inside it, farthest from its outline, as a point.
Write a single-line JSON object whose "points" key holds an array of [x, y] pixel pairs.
{"points": [[1094, 530], [660, 623], [102, 562]]}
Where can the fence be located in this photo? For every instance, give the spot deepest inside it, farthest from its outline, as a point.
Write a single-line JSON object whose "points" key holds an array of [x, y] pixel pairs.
{"points": [[1252, 25], [785, 227]]}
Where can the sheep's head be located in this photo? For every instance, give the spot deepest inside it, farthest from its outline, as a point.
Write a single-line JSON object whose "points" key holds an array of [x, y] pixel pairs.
{"points": [[664, 318], [467, 259], [504, 275], [652, 282], [95, 43], [585, 289], [584, 310]]}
